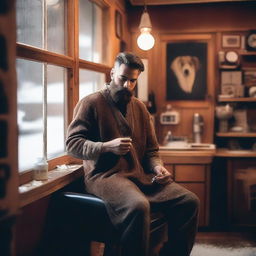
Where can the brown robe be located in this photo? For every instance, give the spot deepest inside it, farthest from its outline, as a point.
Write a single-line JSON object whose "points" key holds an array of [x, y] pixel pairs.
{"points": [[109, 176]]}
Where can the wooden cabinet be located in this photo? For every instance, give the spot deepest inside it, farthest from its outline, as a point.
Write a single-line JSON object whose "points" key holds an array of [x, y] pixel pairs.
{"points": [[242, 192], [236, 82], [192, 171]]}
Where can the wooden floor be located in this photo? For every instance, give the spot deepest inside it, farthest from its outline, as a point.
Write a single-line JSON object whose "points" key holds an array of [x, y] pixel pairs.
{"points": [[213, 239], [232, 239], [225, 244]]}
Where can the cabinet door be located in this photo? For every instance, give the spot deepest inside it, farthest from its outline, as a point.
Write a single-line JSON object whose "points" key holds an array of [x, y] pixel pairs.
{"points": [[169, 167], [199, 190], [189, 173]]}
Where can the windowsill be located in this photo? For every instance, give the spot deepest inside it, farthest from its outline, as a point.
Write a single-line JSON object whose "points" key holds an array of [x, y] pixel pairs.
{"points": [[57, 179]]}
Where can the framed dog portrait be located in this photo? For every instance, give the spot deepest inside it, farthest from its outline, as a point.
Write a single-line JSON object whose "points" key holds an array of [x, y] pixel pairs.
{"points": [[186, 67]]}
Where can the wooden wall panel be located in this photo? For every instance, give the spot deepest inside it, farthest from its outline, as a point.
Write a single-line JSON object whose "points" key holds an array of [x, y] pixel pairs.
{"points": [[8, 127], [157, 83], [184, 21]]}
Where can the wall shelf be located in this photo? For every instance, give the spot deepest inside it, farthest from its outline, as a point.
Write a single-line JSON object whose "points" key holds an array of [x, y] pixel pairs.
{"points": [[222, 152], [242, 99], [236, 134], [248, 53], [229, 67]]}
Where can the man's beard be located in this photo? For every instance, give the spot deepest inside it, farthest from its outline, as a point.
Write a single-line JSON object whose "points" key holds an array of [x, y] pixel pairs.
{"points": [[120, 95]]}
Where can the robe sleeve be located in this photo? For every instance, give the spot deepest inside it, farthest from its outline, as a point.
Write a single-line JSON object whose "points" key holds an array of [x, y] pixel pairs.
{"points": [[151, 153], [80, 130]]}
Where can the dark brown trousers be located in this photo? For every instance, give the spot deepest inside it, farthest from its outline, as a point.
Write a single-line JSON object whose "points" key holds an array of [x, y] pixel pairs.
{"points": [[132, 211]]}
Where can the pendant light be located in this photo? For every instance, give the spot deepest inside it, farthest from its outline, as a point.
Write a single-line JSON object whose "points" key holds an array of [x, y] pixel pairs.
{"points": [[145, 40]]}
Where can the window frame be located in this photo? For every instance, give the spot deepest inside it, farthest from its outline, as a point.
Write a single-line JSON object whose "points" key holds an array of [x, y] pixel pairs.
{"points": [[71, 62]]}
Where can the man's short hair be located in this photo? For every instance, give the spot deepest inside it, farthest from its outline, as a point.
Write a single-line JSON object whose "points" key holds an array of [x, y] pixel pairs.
{"points": [[129, 59]]}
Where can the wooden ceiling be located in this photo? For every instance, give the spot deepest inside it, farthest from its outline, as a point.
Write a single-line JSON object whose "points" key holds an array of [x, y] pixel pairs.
{"points": [[168, 2]]}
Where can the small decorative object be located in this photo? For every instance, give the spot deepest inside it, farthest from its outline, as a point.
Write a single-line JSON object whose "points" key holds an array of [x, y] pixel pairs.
{"points": [[224, 113], [251, 41], [231, 41], [232, 90], [221, 56], [227, 89], [252, 91], [41, 169], [118, 24], [228, 59], [198, 124], [232, 57], [240, 116], [231, 83], [170, 116], [250, 77]]}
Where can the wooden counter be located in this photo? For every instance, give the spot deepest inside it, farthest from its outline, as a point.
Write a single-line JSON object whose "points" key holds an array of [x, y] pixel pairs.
{"points": [[187, 156], [191, 169]]}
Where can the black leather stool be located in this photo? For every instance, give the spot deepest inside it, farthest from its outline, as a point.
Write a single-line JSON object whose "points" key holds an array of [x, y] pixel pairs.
{"points": [[83, 218]]}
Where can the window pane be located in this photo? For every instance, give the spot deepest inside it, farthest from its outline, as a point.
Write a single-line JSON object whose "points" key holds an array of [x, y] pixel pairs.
{"points": [[56, 26], [41, 23], [30, 112], [29, 22], [56, 99], [90, 31], [90, 81]]}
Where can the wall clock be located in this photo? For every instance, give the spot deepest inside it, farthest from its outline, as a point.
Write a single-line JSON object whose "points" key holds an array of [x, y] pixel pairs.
{"points": [[232, 57], [251, 41]]}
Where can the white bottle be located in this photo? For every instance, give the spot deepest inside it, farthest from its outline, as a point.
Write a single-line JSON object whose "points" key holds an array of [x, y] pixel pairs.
{"points": [[40, 169]]}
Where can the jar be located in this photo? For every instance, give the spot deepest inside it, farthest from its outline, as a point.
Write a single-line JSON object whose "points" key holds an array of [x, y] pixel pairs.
{"points": [[40, 170]]}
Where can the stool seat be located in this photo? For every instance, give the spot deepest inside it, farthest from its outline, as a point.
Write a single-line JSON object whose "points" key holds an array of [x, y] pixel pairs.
{"points": [[85, 217]]}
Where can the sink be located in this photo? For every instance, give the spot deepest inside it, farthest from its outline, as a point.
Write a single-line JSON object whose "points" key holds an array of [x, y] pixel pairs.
{"points": [[183, 145]]}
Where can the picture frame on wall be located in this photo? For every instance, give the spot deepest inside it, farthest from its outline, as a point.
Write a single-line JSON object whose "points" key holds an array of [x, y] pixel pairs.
{"points": [[118, 25], [231, 41], [186, 70]]}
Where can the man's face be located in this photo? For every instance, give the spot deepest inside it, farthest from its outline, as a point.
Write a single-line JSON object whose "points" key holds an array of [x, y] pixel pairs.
{"points": [[123, 82]]}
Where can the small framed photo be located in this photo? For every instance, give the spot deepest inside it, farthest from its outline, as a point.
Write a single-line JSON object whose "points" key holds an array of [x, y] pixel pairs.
{"points": [[231, 41], [228, 90], [118, 25]]}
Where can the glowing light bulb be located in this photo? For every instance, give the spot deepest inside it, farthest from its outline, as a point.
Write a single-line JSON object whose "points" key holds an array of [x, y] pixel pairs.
{"points": [[145, 40]]}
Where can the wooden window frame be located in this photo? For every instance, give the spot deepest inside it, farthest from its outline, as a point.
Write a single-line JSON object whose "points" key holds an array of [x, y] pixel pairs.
{"points": [[72, 63]]}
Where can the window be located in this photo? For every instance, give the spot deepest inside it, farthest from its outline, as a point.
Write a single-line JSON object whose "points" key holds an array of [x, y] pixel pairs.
{"points": [[41, 23], [90, 81], [90, 31], [47, 71]]}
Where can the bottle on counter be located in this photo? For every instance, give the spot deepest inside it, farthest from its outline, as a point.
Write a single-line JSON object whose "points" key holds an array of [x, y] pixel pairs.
{"points": [[40, 170]]}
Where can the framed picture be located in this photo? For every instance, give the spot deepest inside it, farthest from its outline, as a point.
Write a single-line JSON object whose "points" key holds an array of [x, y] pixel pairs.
{"points": [[186, 67], [231, 41], [118, 25]]}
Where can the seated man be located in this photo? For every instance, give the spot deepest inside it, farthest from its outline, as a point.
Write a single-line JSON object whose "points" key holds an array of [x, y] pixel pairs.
{"points": [[113, 133]]}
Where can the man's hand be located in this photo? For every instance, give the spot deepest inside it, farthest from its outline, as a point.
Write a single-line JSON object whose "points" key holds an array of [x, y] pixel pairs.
{"points": [[118, 146], [163, 176]]}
